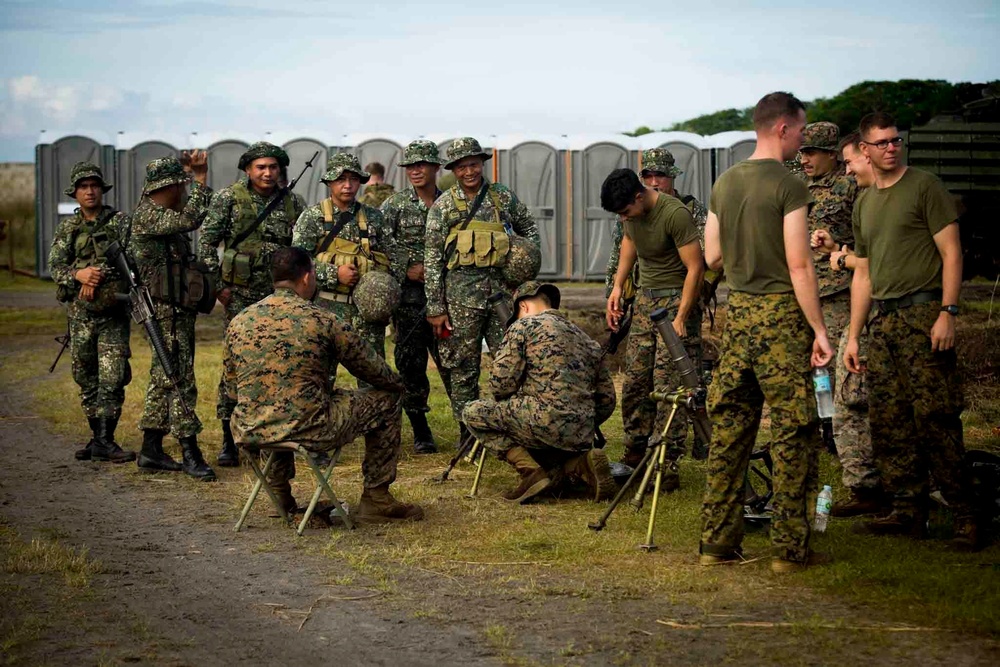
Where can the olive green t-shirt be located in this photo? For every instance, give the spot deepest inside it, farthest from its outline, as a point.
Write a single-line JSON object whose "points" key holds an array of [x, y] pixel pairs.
{"points": [[894, 228], [657, 236], [751, 200]]}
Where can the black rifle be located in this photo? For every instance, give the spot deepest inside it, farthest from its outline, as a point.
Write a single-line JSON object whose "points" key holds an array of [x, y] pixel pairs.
{"points": [[64, 339], [143, 313]]}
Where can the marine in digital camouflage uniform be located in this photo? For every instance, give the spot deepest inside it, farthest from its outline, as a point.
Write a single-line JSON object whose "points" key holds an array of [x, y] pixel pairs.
{"points": [[658, 172], [833, 192], [757, 230], [550, 391], [281, 359], [243, 274], [405, 214], [98, 322], [661, 237], [909, 264], [463, 267], [165, 260], [372, 248], [377, 190]]}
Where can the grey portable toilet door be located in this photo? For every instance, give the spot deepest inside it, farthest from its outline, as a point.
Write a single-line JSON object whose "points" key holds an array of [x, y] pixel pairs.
{"points": [[598, 160], [388, 153], [534, 174], [132, 170], [223, 163], [311, 188]]}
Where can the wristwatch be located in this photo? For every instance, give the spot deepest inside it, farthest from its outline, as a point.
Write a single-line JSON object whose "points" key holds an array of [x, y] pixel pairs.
{"points": [[842, 262], [951, 310]]}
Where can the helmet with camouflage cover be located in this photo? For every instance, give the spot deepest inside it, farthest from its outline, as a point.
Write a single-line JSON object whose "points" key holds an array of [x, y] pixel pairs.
{"points": [[376, 296], [533, 288], [162, 172], [463, 148], [341, 162], [524, 261], [419, 151], [262, 149], [82, 170], [660, 160], [822, 136]]}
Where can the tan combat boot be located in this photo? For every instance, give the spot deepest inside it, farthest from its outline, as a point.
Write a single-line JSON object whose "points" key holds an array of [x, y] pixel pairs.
{"points": [[378, 506], [783, 566], [594, 469], [534, 479]]}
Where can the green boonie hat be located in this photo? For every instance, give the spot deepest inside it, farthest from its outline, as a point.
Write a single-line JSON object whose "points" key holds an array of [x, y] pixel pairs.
{"points": [[660, 160], [162, 172], [823, 136], [341, 162], [82, 170], [262, 149], [532, 288], [463, 148], [420, 151]]}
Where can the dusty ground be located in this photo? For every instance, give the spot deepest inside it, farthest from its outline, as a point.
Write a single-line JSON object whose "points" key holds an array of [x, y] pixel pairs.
{"points": [[176, 586]]}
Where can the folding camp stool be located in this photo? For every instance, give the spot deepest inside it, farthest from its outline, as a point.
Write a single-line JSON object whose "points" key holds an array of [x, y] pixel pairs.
{"points": [[322, 484]]}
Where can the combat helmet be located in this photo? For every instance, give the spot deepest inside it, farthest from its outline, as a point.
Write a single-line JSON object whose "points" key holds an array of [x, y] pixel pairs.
{"points": [[376, 296], [524, 261]]}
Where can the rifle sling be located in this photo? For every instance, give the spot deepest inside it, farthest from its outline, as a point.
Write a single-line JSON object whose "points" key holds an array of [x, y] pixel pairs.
{"points": [[344, 217], [271, 205]]}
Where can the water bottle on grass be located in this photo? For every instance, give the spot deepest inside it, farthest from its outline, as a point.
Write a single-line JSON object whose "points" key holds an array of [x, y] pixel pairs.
{"points": [[823, 504]]}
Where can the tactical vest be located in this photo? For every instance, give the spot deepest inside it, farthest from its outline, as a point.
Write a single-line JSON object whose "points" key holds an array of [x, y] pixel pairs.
{"points": [[185, 282], [239, 264], [340, 252], [481, 244], [89, 244]]}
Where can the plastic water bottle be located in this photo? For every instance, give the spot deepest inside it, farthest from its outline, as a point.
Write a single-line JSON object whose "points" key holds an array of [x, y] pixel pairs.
{"points": [[823, 504], [824, 392]]}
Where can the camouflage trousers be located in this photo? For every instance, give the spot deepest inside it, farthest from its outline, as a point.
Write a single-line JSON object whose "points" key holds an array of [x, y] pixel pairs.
{"points": [[99, 347], [161, 410], [917, 401], [237, 304], [414, 343], [526, 421], [764, 356], [850, 401], [373, 414], [374, 334], [462, 352], [647, 366]]}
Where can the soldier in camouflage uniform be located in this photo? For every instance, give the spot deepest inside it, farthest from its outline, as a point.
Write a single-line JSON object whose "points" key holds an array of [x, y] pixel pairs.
{"points": [[909, 263], [462, 266], [377, 190], [243, 274], [166, 264], [660, 233], [405, 214], [550, 391], [347, 239], [281, 358], [98, 322], [757, 230]]}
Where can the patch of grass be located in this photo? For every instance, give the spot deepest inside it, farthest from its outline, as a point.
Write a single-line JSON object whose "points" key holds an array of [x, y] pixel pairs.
{"points": [[32, 322], [19, 283], [47, 557]]}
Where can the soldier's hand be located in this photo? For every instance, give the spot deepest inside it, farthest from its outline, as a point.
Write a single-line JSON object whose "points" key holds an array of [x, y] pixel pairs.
{"points": [[943, 333], [852, 359], [439, 323], [835, 258], [347, 275], [679, 328], [87, 293], [90, 276], [613, 312], [821, 241], [822, 353], [196, 164], [224, 296], [416, 273]]}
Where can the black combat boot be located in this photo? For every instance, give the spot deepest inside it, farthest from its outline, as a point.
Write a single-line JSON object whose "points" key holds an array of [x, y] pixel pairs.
{"points": [[105, 448], [230, 456], [84, 453], [152, 458], [423, 439], [193, 463]]}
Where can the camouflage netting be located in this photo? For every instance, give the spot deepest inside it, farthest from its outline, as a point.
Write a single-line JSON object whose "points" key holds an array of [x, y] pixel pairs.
{"points": [[376, 296], [524, 261]]}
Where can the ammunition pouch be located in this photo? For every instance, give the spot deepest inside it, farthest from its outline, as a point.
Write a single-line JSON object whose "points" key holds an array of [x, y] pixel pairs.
{"points": [[480, 244], [189, 285], [237, 267], [341, 252]]}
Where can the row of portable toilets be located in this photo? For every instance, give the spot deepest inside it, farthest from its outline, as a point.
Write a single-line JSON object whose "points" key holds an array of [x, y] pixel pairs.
{"points": [[559, 179]]}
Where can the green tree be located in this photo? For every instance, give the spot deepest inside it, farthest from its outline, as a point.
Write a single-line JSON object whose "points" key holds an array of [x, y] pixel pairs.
{"points": [[720, 121]]}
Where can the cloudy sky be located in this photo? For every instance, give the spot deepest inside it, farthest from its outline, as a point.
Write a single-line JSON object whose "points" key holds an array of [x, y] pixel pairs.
{"points": [[406, 68]]}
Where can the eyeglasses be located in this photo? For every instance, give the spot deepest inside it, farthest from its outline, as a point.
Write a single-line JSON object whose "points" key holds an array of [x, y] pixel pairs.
{"points": [[884, 143]]}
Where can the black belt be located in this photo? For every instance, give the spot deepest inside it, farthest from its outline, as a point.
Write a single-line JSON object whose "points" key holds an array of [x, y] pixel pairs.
{"points": [[885, 306], [658, 293]]}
